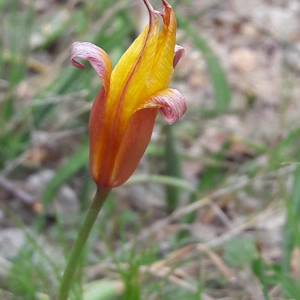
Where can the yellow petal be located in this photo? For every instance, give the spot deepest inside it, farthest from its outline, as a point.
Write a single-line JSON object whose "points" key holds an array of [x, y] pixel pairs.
{"points": [[162, 69], [132, 71]]}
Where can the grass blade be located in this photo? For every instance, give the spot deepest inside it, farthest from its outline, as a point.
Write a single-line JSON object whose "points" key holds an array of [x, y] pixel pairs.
{"points": [[77, 161], [217, 75], [172, 168]]}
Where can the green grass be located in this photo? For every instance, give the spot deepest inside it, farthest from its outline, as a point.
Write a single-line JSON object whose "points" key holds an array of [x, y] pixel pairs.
{"points": [[127, 257]]}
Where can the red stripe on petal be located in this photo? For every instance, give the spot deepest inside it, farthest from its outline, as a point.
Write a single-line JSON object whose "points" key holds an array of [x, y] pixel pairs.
{"points": [[152, 11], [167, 11], [166, 4], [170, 102], [96, 56]]}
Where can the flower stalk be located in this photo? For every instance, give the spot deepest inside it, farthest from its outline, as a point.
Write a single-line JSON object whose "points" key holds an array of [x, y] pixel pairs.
{"points": [[83, 234]]}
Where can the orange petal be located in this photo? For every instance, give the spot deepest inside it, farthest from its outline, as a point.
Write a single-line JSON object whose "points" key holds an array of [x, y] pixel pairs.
{"points": [[97, 136], [171, 103], [112, 164], [134, 143], [96, 56]]}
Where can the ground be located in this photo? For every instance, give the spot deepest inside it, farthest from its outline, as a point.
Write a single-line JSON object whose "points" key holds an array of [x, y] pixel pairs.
{"points": [[212, 210]]}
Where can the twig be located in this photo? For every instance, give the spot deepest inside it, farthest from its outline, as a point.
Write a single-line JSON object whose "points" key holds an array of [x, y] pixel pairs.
{"points": [[162, 179], [182, 211], [160, 269], [13, 164], [220, 240], [19, 193], [218, 261], [5, 266]]}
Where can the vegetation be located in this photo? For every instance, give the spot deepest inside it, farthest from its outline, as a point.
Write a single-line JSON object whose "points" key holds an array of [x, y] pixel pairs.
{"points": [[213, 210]]}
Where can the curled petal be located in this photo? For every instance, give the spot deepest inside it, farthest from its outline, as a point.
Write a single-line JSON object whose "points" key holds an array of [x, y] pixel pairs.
{"points": [[170, 102], [96, 56], [178, 53], [152, 11]]}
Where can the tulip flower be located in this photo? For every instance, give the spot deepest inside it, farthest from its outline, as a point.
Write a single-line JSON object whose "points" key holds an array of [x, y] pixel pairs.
{"points": [[124, 111]]}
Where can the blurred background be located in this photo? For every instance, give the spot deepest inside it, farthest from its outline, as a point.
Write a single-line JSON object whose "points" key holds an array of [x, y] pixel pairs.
{"points": [[212, 211]]}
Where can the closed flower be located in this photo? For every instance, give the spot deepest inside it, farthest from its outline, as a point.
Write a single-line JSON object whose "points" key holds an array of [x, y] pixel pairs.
{"points": [[124, 111]]}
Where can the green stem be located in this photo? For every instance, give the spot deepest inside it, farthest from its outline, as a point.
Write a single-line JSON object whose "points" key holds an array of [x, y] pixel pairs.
{"points": [[82, 237]]}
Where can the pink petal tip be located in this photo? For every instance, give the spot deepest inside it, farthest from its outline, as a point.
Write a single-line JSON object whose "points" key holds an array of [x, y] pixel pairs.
{"points": [[178, 54], [171, 104], [96, 56]]}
